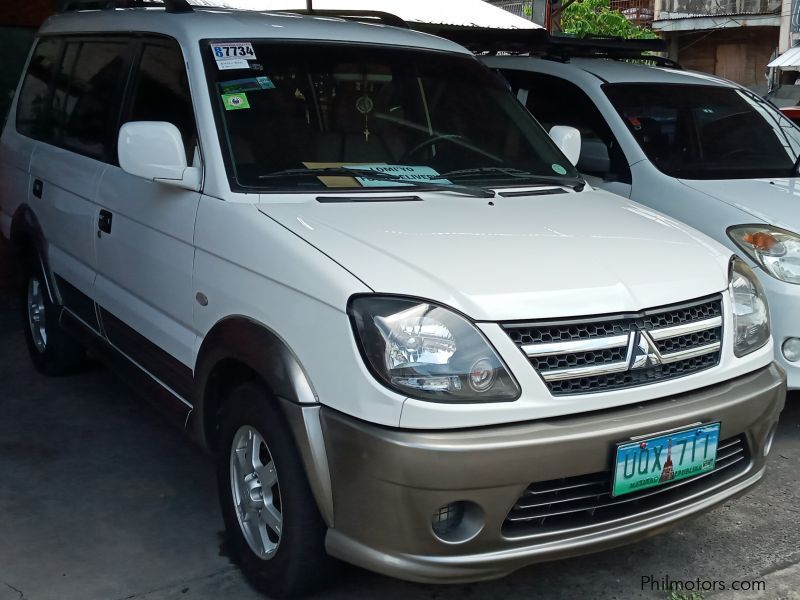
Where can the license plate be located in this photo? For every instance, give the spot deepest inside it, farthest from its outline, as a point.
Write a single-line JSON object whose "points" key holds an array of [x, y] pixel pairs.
{"points": [[650, 462]]}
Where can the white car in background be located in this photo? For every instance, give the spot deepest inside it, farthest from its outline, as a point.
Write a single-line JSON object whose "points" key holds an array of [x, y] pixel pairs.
{"points": [[696, 147]]}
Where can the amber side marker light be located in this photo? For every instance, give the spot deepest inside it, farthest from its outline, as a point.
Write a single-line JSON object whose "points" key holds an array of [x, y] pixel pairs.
{"points": [[761, 240]]}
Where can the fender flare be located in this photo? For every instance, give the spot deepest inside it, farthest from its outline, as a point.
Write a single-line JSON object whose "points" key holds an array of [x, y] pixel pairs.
{"points": [[25, 224], [264, 352]]}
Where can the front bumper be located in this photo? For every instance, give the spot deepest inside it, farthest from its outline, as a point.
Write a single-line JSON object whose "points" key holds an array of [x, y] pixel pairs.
{"points": [[388, 483], [784, 306]]}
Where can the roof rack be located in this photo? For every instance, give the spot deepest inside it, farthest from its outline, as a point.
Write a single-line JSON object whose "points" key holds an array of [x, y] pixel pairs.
{"points": [[171, 6], [537, 42], [362, 16]]}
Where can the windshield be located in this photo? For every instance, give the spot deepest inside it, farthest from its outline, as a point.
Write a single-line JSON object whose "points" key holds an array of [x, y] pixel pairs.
{"points": [[707, 132], [426, 117]]}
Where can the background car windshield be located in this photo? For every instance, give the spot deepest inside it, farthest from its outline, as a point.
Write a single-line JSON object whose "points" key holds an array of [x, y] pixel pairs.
{"points": [[705, 132], [295, 106]]}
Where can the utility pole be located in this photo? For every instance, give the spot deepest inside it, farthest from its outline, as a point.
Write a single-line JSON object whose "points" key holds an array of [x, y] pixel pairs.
{"points": [[310, 5]]}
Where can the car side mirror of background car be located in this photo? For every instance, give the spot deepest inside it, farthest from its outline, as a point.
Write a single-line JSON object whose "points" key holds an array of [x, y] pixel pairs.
{"points": [[595, 158], [154, 150], [568, 140]]}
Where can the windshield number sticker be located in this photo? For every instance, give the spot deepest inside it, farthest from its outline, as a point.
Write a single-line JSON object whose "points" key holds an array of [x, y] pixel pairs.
{"points": [[240, 50]]}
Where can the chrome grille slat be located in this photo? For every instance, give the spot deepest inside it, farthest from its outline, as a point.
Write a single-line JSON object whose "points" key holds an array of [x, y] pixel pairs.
{"points": [[692, 327], [589, 345], [691, 353], [535, 513], [596, 354]]}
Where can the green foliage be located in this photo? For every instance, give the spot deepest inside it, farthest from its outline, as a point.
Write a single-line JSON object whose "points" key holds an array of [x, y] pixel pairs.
{"points": [[595, 17], [680, 596]]}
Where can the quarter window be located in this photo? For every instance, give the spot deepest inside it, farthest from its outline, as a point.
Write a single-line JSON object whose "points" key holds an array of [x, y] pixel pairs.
{"points": [[32, 106]]}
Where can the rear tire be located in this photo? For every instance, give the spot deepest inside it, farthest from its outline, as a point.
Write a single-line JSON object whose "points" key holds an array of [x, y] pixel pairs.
{"points": [[52, 351], [274, 529]]}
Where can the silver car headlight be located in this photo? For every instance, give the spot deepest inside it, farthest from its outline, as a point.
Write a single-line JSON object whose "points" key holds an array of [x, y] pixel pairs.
{"points": [[775, 250], [426, 351], [750, 310]]}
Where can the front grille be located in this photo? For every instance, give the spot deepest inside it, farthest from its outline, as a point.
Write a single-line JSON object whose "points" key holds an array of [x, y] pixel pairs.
{"points": [[573, 502], [590, 355]]}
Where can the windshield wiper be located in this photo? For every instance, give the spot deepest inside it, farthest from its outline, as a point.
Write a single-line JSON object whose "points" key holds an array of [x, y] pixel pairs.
{"points": [[477, 192], [576, 183]]}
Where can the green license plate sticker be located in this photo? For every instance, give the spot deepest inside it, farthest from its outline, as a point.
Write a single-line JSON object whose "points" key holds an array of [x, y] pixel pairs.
{"points": [[670, 457]]}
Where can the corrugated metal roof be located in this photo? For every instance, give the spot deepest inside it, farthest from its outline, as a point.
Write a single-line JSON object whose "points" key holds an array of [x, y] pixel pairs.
{"points": [[790, 58], [460, 13]]}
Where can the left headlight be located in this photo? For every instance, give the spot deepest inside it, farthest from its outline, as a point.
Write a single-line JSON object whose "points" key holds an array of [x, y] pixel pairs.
{"points": [[750, 310], [426, 351], [775, 250]]}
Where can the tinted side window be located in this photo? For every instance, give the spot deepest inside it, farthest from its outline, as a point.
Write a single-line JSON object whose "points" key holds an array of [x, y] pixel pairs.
{"points": [[32, 108], [555, 101], [162, 92], [89, 103]]}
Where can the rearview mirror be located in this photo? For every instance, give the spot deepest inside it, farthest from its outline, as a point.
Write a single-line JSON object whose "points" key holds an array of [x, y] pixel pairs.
{"points": [[154, 150], [568, 140]]}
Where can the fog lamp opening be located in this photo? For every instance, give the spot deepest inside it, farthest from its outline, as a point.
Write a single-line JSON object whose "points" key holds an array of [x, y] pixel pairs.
{"points": [[791, 349], [457, 522]]}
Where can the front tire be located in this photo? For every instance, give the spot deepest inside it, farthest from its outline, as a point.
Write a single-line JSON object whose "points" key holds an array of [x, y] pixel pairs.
{"points": [[274, 529], [52, 351]]}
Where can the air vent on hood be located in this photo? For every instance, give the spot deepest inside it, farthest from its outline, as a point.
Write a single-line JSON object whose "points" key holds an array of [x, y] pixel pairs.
{"points": [[347, 199]]}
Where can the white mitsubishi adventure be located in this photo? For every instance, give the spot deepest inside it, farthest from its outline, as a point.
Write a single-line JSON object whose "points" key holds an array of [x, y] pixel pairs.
{"points": [[351, 264]]}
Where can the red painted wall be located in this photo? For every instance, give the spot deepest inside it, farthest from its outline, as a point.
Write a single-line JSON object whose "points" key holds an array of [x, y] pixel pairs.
{"points": [[25, 13]]}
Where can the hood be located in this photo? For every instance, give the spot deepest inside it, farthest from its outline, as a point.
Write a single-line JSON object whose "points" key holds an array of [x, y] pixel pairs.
{"points": [[774, 201], [531, 257]]}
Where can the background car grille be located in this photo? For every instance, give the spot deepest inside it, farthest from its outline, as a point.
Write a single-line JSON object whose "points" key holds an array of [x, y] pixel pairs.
{"points": [[553, 506], [594, 355]]}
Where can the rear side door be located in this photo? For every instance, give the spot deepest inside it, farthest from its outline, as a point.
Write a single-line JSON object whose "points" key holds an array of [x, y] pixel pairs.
{"points": [[145, 232], [75, 146]]}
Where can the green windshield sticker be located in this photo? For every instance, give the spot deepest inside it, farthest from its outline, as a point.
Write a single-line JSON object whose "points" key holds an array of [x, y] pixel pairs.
{"points": [[265, 83], [559, 169], [235, 101], [251, 84]]}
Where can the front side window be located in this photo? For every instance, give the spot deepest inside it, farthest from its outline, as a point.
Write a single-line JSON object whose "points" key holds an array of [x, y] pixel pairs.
{"points": [[286, 108], [161, 92], [707, 132], [555, 101]]}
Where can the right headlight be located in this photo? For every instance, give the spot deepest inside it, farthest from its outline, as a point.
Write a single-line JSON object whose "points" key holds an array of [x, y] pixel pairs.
{"points": [[775, 250], [750, 310], [428, 352]]}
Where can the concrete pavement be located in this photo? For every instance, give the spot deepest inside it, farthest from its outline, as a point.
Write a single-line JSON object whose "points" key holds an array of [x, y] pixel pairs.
{"points": [[101, 499]]}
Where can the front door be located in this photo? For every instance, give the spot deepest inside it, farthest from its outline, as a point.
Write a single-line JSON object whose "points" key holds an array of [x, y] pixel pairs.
{"points": [[145, 231]]}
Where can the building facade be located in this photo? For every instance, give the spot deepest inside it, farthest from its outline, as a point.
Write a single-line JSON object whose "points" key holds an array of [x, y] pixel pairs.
{"points": [[731, 38]]}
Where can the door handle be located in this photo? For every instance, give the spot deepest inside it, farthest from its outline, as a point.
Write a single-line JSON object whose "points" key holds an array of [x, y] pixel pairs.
{"points": [[38, 187], [104, 222]]}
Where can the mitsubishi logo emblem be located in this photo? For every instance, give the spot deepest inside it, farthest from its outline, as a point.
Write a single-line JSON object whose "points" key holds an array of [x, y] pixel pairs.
{"points": [[644, 353]]}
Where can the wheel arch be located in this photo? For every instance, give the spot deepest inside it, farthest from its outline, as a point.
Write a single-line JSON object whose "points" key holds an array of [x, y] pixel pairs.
{"points": [[238, 348], [29, 244]]}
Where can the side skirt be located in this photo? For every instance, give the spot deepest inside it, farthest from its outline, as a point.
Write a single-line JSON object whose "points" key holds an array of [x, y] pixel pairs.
{"points": [[175, 408]]}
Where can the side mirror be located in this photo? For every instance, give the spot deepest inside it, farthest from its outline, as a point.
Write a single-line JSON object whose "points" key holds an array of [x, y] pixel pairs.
{"points": [[568, 140], [154, 150], [595, 159]]}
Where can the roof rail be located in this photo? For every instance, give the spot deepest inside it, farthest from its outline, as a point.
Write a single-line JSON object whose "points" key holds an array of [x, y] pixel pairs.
{"points": [[561, 48], [362, 16], [171, 6]]}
